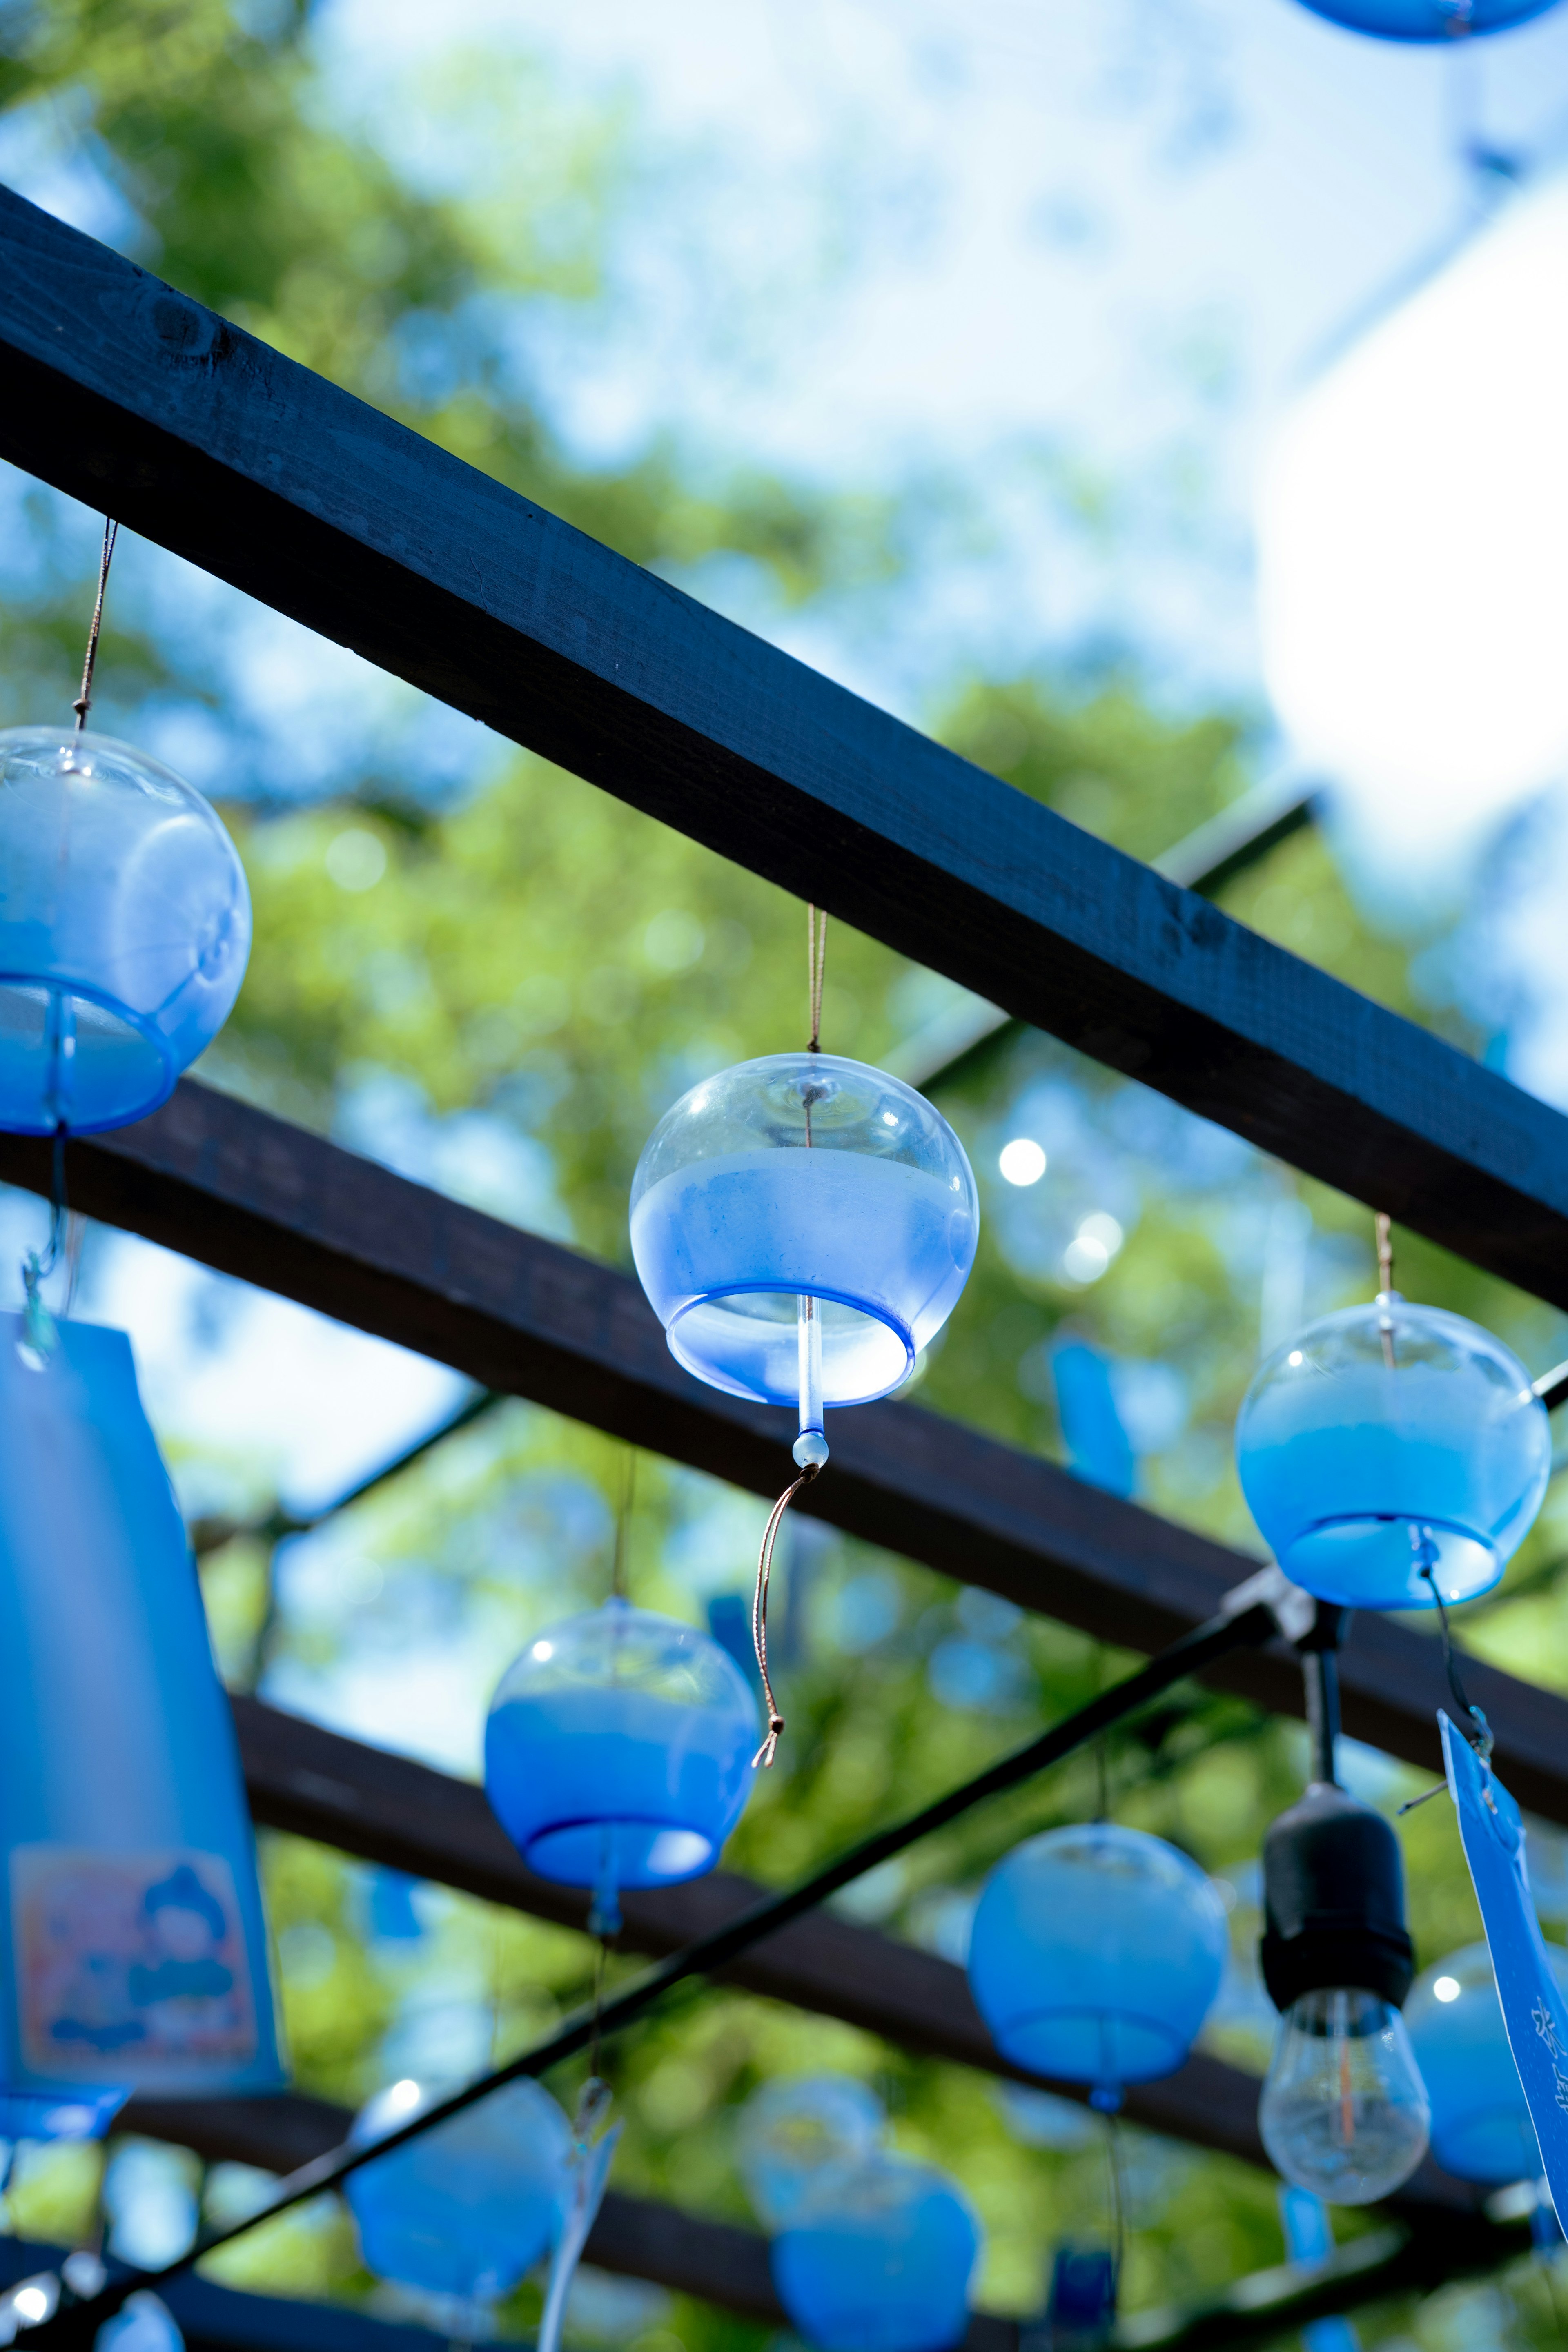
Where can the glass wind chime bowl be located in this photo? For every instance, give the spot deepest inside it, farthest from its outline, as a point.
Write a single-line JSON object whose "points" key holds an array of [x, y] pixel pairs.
{"points": [[124, 931], [1096, 1954], [469, 2208], [1481, 2129], [618, 1748], [1428, 20], [877, 2259], [802, 1178], [793, 2131], [1390, 1450]]}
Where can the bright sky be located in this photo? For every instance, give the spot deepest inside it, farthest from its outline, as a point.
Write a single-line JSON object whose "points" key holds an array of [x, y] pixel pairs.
{"points": [[886, 235]]}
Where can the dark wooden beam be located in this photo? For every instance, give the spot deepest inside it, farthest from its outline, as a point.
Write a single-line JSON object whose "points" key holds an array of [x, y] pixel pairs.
{"points": [[128, 395], [635, 2237], [252, 1196], [392, 1810], [214, 2318]]}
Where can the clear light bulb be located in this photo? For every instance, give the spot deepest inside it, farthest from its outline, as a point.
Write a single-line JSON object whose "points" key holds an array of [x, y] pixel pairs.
{"points": [[1345, 2111]]}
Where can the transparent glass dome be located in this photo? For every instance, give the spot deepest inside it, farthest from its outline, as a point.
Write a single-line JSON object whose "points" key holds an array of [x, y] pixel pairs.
{"points": [[618, 1750], [878, 2259], [1481, 2129], [1389, 1440], [1343, 2113], [791, 2132], [798, 1179], [124, 931], [469, 2208], [1096, 1953], [1428, 20]]}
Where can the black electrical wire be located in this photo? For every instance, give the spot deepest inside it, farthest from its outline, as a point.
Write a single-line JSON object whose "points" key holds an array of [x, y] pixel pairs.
{"points": [[77, 2319]]}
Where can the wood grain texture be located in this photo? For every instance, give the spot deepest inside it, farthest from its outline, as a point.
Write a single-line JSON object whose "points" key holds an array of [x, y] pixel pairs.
{"points": [[128, 395], [255, 1197]]}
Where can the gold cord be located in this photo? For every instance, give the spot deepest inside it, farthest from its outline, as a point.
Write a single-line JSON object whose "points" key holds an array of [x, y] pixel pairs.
{"points": [[1385, 1281], [83, 702], [770, 1747], [815, 965]]}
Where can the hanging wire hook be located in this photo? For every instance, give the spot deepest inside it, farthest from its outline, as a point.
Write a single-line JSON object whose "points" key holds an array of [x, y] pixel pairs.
{"points": [[83, 702], [770, 1747], [623, 1517], [39, 1333]]}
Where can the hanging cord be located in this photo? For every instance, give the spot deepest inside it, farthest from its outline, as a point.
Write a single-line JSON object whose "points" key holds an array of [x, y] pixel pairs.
{"points": [[623, 1519], [604, 1910], [770, 1747], [810, 1447], [38, 1324], [1386, 1284], [1472, 1720], [1118, 2204], [1102, 1751], [601, 1962], [815, 965], [83, 702], [1475, 1727]]}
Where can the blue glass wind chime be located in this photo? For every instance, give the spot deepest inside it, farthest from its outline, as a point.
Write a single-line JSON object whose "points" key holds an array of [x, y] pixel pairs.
{"points": [[870, 2251], [1394, 1456], [804, 1225], [132, 1949], [1429, 21]]}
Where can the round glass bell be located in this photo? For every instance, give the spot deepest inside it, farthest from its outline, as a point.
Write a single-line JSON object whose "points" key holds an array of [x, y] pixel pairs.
{"points": [[124, 931], [1428, 20], [1096, 1953], [803, 1226], [1481, 2129], [618, 1748], [792, 2131], [877, 2259], [471, 2206], [1393, 1454]]}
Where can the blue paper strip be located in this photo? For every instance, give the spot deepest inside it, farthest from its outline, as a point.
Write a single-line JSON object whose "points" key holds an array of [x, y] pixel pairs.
{"points": [[1532, 2004]]}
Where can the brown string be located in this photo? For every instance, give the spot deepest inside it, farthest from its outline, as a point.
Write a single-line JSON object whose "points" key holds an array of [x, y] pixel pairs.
{"points": [[770, 1747], [815, 964], [1385, 1279], [623, 1517], [83, 702]]}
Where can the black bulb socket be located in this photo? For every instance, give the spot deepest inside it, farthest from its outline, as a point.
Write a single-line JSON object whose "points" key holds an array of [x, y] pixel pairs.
{"points": [[1333, 1901]]}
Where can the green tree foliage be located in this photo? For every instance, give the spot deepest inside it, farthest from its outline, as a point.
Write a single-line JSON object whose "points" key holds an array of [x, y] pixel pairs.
{"points": [[502, 990]]}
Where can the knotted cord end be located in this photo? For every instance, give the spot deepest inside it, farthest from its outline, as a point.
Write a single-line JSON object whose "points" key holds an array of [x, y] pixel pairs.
{"points": [[763, 1758]]}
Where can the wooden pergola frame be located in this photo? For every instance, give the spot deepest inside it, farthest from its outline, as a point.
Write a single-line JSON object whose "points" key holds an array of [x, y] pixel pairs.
{"points": [[130, 396]]}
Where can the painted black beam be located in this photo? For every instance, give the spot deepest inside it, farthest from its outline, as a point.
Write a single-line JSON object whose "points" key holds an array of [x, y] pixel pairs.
{"points": [[394, 1810], [1268, 2307], [316, 1783], [1205, 860], [128, 395]]}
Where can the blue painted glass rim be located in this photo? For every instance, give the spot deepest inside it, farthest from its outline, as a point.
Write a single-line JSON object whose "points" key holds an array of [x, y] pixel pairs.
{"points": [[1448, 25], [569, 1824], [57, 983], [1484, 1537], [1074, 2013], [788, 1291]]}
